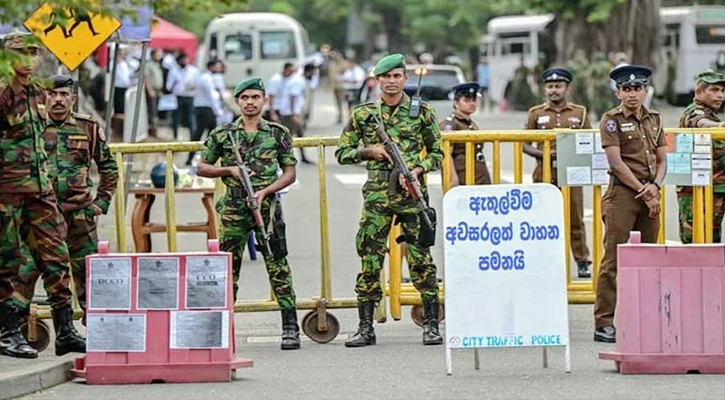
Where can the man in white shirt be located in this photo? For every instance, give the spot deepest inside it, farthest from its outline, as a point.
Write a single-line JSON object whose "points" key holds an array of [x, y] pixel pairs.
{"points": [[353, 79], [206, 104], [276, 90], [228, 106], [123, 82], [182, 83], [287, 101]]}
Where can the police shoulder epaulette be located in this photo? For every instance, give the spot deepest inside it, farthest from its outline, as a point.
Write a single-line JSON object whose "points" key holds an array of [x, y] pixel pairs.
{"points": [[537, 107], [86, 117], [449, 118]]}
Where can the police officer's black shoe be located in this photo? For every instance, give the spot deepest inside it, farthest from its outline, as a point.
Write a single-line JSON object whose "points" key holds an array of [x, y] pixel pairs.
{"points": [[290, 330], [583, 267], [606, 334], [365, 335], [12, 341], [431, 335], [67, 339]]}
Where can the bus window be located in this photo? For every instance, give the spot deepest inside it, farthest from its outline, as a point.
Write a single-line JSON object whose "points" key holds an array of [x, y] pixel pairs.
{"points": [[514, 47], [238, 47], [213, 51], [710, 34], [672, 36], [278, 45]]}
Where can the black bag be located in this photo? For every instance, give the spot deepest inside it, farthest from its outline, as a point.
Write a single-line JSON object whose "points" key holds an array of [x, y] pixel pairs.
{"points": [[277, 236]]}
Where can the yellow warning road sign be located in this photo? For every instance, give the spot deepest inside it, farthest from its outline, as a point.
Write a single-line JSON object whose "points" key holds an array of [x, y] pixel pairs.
{"points": [[75, 40]]}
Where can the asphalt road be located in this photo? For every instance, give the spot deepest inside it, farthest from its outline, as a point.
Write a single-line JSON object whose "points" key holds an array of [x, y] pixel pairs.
{"points": [[399, 367]]}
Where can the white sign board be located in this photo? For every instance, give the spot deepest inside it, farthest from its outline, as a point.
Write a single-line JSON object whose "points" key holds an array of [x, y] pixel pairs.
{"points": [[505, 267]]}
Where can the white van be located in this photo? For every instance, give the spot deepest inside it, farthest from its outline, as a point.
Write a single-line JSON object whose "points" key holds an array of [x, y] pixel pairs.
{"points": [[253, 44]]}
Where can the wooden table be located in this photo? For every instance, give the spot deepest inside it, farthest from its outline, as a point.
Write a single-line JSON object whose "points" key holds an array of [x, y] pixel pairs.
{"points": [[142, 228]]}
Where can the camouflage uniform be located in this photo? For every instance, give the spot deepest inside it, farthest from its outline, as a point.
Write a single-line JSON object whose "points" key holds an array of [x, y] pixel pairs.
{"points": [[264, 152], [27, 197], [693, 113], [71, 147], [413, 135]]}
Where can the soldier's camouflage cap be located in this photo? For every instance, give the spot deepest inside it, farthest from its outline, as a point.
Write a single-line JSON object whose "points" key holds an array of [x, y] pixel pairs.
{"points": [[389, 63], [249, 83], [19, 41], [711, 77]]}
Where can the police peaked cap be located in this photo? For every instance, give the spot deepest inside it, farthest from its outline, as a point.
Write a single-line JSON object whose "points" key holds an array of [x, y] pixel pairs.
{"points": [[468, 89], [631, 75], [557, 75], [61, 81]]}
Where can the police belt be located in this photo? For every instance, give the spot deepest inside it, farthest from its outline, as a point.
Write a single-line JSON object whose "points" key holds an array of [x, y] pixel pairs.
{"points": [[379, 174], [617, 182]]}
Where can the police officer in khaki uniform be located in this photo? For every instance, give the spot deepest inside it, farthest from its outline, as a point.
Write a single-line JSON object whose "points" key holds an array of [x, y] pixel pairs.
{"points": [[557, 112], [634, 141], [465, 103]]}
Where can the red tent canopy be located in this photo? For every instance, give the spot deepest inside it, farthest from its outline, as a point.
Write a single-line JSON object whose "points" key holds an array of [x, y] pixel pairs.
{"points": [[168, 36], [164, 35]]}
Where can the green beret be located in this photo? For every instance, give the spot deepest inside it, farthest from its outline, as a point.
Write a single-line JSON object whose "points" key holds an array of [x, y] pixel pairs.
{"points": [[249, 83], [711, 77], [388, 63]]}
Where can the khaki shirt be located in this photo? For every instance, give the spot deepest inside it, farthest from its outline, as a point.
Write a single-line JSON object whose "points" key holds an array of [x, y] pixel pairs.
{"points": [[457, 121], [571, 116], [637, 136]]}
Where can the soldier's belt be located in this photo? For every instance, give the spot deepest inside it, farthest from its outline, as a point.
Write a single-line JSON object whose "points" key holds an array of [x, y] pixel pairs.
{"points": [[379, 174]]}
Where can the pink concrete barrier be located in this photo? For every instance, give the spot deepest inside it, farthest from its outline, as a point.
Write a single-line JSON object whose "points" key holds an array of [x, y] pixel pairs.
{"points": [[669, 315]]}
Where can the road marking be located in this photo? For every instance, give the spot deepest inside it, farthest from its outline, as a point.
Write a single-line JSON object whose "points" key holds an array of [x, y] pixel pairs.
{"points": [[276, 339]]}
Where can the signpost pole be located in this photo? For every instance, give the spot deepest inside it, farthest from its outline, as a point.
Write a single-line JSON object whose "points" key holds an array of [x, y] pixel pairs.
{"points": [[111, 97], [136, 111]]}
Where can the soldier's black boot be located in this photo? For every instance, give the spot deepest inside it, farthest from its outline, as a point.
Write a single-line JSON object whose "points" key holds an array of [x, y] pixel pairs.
{"points": [[12, 341], [290, 330], [365, 335], [583, 269], [431, 335], [67, 338]]}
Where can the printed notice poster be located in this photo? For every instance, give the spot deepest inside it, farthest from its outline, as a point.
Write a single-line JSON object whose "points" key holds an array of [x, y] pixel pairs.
{"points": [[578, 176], [158, 283], [206, 282], [110, 284], [584, 143], [116, 332], [199, 329]]}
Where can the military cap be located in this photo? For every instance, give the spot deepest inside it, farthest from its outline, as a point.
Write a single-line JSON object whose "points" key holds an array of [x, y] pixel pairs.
{"points": [[557, 75], [249, 83], [389, 63], [61, 81], [631, 75], [468, 89], [710, 77], [19, 40]]}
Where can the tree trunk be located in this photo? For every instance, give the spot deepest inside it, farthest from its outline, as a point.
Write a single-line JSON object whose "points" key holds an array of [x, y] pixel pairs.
{"points": [[392, 21], [632, 27]]}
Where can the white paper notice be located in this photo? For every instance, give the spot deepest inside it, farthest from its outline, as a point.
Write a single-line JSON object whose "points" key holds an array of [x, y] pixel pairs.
{"points": [[578, 176], [110, 284], [206, 282], [702, 139], [700, 178], [598, 143], [158, 283], [701, 161], [599, 161], [600, 177], [584, 143], [702, 149], [116, 332], [199, 329]]}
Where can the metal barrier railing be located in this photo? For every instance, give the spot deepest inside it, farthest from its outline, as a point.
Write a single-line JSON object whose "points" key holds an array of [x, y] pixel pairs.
{"points": [[326, 328], [578, 291]]}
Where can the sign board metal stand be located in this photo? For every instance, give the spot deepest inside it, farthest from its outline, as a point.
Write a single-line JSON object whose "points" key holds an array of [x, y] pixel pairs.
{"points": [[159, 318]]}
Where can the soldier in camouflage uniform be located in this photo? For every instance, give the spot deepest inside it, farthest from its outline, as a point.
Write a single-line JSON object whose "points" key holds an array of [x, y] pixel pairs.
{"points": [[360, 142], [709, 96], [72, 142], [265, 147], [28, 205]]}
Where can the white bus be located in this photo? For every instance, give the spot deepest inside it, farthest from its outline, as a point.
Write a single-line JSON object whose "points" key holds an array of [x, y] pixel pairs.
{"points": [[253, 44], [693, 35]]}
